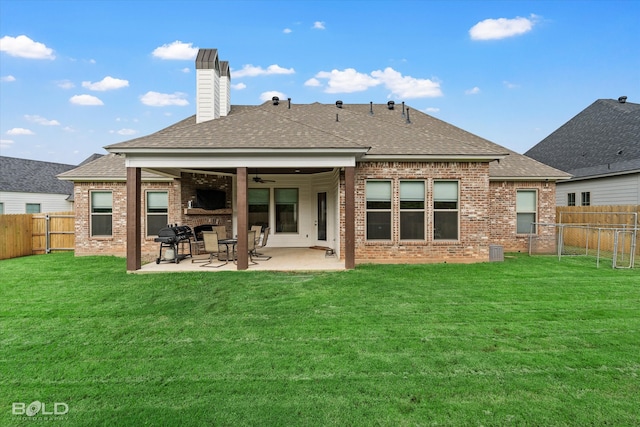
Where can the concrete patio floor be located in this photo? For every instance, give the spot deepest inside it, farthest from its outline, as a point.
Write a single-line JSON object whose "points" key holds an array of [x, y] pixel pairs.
{"points": [[282, 259]]}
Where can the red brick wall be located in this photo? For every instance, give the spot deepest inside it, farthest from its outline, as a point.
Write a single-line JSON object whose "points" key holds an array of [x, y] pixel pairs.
{"points": [[487, 213], [473, 243], [117, 243], [503, 213], [180, 192]]}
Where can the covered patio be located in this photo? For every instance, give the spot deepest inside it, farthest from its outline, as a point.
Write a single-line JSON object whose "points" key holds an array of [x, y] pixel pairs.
{"points": [[282, 259]]}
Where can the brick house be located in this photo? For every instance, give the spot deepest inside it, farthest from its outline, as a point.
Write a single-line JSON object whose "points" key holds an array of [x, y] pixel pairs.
{"points": [[374, 182]]}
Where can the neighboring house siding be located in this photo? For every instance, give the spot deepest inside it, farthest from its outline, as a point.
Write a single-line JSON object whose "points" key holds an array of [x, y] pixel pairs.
{"points": [[15, 202], [615, 190], [473, 231], [502, 195]]}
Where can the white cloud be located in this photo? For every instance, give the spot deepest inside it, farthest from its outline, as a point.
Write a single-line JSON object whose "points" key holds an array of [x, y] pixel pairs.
{"points": [[125, 132], [252, 71], [313, 82], [41, 120], [346, 81], [239, 86], [85, 100], [510, 85], [156, 99], [349, 80], [176, 50], [319, 25], [473, 91], [493, 29], [5, 143], [266, 96], [432, 110], [287, 31], [20, 131], [186, 70], [24, 47], [407, 86], [8, 78], [66, 84], [108, 83]]}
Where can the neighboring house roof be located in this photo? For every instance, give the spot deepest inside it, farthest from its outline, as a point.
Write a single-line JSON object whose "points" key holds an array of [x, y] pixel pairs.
{"points": [[603, 139], [110, 167], [373, 130], [33, 176]]}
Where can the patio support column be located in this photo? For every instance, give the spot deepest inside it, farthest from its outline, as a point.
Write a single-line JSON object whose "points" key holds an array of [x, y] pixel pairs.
{"points": [[243, 219], [134, 241], [349, 218]]}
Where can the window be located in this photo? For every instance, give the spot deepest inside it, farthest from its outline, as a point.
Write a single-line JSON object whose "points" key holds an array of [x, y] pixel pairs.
{"points": [[286, 200], [571, 199], [412, 210], [101, 213], [445, 210], [378, 197], [258, 200], [526, 209], [586, 198], [1, 208], [157, 211], [32, 208]]}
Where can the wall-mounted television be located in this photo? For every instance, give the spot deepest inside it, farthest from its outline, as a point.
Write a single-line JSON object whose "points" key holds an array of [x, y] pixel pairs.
{"points": [[211, 199]]}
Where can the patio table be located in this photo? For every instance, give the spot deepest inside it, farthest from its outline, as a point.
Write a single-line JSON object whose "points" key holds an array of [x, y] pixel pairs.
{"points": [[228, 242]]}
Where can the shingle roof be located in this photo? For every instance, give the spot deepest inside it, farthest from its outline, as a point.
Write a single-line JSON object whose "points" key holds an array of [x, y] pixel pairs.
{"points": [[110, 167], [33, 176], [305, 126], [604, 136]]}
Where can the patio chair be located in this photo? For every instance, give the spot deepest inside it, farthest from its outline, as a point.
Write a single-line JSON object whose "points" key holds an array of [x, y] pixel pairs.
{"points": [[258, 230], [256, 254], [221, 230], [251, 243], [212, 247]]}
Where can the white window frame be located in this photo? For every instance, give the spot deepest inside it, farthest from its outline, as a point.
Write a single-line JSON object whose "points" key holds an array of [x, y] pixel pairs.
{"points": [[155, 214], [92, 214], [412, 198], [585, 198], [444, 210], [524, 210], [377, 210]]}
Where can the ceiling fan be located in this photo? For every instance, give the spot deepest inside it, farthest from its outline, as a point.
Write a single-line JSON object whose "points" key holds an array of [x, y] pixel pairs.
{"points": [[260, 180]]}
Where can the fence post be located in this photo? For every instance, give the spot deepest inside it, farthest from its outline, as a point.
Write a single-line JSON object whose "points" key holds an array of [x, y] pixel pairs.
{"points": [[47, 235]]}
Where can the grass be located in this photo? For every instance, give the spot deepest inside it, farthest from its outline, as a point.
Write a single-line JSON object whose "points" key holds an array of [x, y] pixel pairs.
{"points": [[529, 342]]}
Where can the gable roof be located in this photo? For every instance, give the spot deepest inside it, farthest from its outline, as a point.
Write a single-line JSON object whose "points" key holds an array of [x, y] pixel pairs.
{"points": [[33, 176], [373, 130], [602, 139]]}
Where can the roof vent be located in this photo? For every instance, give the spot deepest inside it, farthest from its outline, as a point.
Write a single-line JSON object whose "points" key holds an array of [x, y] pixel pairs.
{"points": [[275, 100], [371, 108], [622, 99], [289, 101], [339, 104], [390, 105]]}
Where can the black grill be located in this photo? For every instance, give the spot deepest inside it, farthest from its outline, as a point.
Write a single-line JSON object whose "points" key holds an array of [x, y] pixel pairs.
{"points": [[172, 239]]}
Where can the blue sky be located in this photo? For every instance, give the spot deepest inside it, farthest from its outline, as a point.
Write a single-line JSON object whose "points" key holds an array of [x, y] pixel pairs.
{"points": [[78, 75]]}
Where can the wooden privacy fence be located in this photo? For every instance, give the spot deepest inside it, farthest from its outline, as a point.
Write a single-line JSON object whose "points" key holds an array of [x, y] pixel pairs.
{"points": [[596, 226], [29, 234]]}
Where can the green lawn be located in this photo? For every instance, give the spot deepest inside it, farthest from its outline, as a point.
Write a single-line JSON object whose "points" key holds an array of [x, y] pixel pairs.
{"points": [[532, 341]]}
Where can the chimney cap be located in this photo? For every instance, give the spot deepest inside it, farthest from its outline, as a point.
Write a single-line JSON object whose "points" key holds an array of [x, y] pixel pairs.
{"points": [[622, 99]]}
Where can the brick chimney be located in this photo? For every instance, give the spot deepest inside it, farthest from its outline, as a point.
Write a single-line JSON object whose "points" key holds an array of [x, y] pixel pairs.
{"points": [[213, 86]]}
